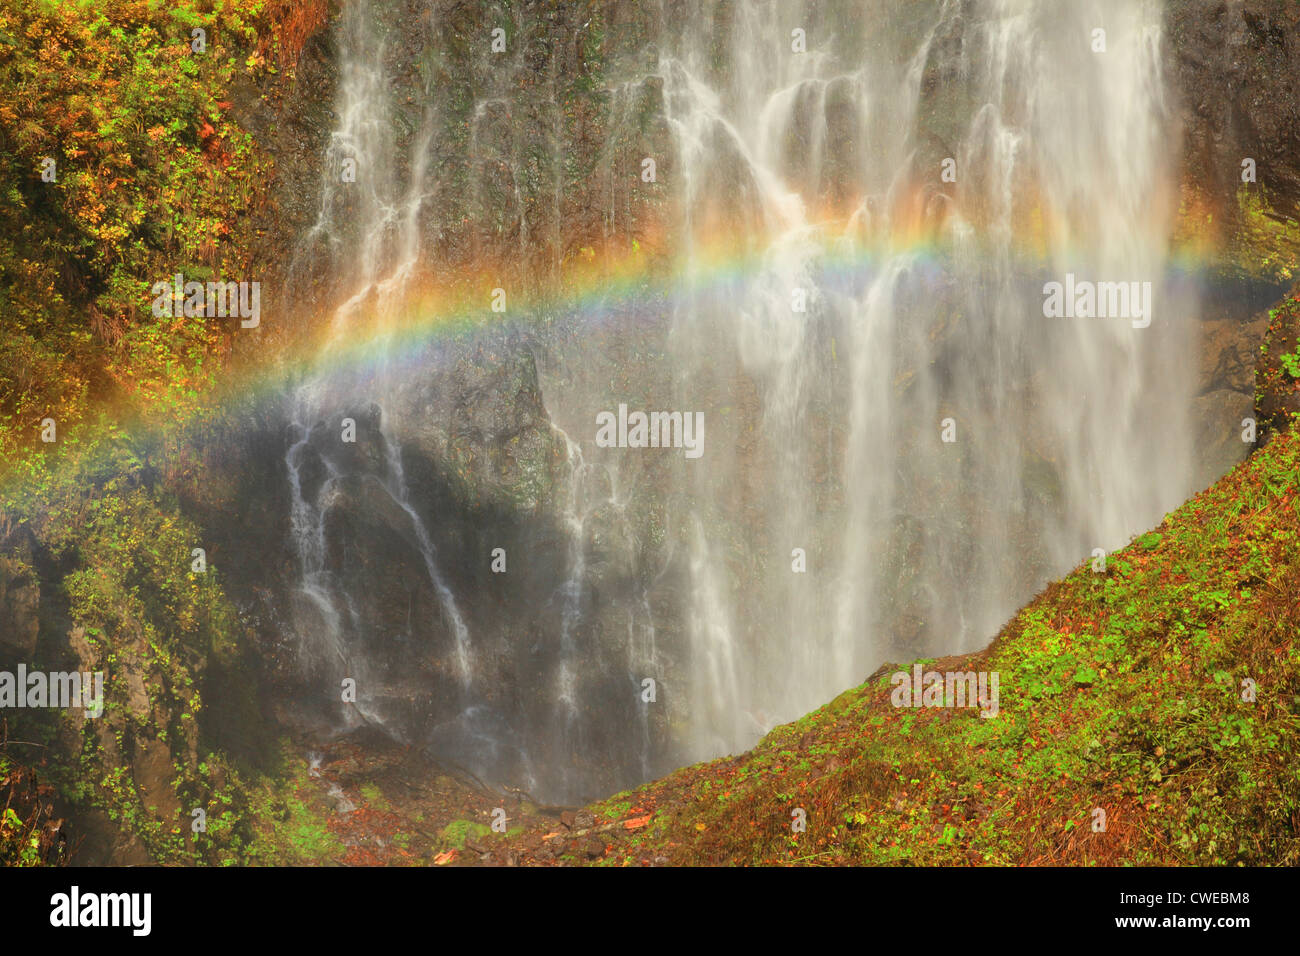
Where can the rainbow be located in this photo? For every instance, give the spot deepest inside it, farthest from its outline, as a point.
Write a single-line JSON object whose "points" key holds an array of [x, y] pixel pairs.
{"points": [[621, 283]]}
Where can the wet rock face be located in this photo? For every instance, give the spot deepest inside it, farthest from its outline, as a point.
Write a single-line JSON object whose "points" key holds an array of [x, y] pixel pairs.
{"points": [[484, 468], [1233, 320], [20, 600], [292, 122], [1277, 376], [1235, 69], [1229, 349], [372, 597], [457, 472], [482, 420], [1218, 419], [1236, 65]]}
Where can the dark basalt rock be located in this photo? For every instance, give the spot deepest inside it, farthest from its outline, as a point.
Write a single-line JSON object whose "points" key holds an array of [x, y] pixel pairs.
{"points": [[1277, 384], [20, 601], [1236, 67]]}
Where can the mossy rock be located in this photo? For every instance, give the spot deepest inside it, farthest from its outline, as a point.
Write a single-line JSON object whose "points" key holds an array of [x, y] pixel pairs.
{"points": [[1265, 243], [455, 834]]}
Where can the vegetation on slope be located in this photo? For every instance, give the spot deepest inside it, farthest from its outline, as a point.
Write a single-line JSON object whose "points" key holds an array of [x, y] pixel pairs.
{"points": [[154, 176], [1126, 691], [29, 836], [1277, 372], [151, 176]]}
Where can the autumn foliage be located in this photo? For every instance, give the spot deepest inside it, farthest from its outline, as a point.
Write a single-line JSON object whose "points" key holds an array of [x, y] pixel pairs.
{"points": [[151, 176]]}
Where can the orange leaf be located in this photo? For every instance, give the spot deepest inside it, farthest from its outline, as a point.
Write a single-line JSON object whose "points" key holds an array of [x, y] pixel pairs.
{"points": [[637, 823]]}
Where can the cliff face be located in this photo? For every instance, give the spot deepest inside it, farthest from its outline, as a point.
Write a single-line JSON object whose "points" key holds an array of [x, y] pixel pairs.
{"points": [[535, 152], [535, 171], [1277, 375], [1236, 67]]}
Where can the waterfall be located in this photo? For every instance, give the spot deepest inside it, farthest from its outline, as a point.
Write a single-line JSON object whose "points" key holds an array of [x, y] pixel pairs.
{"points": [[866, 206], [369, 227], [1070, 434]]}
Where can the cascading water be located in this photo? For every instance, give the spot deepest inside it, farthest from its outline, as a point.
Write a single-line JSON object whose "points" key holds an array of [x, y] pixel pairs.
{"points": [[887, 204], [372, 233], [1069, 433], [499, 697]]}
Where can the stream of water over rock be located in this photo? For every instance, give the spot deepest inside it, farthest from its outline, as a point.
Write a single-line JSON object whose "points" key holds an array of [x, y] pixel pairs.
{"points": [[900, 446]]}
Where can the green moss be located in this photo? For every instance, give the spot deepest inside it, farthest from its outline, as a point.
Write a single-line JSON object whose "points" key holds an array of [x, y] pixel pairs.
{"points": [[1127, 691], [455, 834], [1277, 392], [1264, 246]]}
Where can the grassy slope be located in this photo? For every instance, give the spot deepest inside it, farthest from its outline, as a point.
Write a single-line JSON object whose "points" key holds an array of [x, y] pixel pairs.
{"points": [[1119, 690]]}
